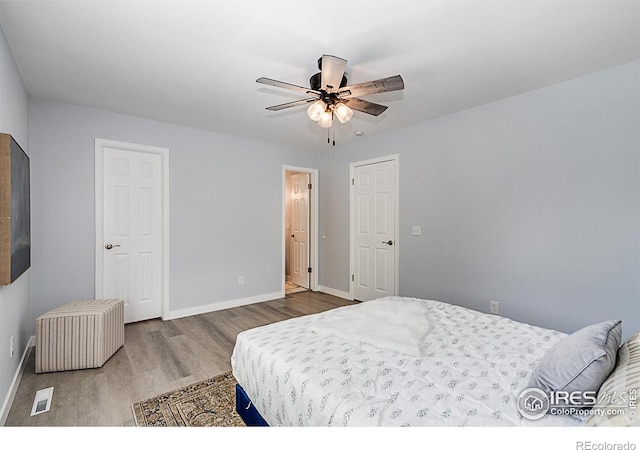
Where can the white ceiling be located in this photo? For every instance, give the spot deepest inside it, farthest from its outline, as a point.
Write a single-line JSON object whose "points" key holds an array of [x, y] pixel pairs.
{"points": [[195, 63]]}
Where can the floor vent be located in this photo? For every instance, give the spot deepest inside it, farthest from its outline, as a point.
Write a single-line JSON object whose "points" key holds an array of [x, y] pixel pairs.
{"points": [[42, 401]]}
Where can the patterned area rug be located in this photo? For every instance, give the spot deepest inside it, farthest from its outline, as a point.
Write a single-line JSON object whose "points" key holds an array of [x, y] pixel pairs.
{"points": [[209, 403]]}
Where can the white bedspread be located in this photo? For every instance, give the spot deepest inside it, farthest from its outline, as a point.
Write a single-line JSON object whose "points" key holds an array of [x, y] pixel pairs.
{"points": [[392, 362], [396, 324]]}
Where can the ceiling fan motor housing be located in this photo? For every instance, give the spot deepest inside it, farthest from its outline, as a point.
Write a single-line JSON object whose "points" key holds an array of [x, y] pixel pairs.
{"points": [[316, 85]]}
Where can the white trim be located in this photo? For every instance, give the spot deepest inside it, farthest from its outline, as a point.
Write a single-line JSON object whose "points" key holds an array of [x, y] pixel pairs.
{"points": [[335, 292], [164, 154], [313, 223], [352, 166], [222, 305], [13, 390]]}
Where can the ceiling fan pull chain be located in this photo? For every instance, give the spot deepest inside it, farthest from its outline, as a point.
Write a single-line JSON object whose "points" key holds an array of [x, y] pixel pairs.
{"points": [[334, 135]]}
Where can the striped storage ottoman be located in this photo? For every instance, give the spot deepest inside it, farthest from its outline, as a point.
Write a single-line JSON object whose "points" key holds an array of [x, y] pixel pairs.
{"points": [[79, 335]]}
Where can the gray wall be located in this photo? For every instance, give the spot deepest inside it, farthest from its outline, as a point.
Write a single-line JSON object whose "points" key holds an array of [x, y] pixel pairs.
{"points": [[15, 299], [533, 201], [225, 206]]}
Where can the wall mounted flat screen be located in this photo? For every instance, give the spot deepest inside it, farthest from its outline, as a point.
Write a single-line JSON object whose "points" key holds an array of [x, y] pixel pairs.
{"points": [[15, 210]]}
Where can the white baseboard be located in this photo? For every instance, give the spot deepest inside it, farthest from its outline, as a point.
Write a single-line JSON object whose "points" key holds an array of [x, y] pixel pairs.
{"points": [[335, 292], [222, 305], [4, 412], [218, 306]]}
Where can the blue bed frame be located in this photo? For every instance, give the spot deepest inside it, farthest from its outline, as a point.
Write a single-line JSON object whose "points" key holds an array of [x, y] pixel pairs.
{"points": [[247, 411]]}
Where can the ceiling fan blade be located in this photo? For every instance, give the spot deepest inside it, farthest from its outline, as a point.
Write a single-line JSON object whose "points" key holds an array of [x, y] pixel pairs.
{"points": [[364, 106], [332, 69], [282, 84], [394, 83], [292, 104]]}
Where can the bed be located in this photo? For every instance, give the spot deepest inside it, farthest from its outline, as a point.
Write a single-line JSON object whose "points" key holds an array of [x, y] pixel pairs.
{"points": [[394, 361]]}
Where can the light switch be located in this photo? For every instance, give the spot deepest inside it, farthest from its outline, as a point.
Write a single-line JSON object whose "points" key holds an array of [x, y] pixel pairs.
{"points": [[416, 230]]}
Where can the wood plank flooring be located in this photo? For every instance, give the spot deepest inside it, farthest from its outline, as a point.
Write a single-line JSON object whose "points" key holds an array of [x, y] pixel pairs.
{"points": [[158, 356]]}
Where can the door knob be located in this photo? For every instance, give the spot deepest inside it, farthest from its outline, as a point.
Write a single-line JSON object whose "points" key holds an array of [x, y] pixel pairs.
{"points": [[109, 245], [389, 242]]}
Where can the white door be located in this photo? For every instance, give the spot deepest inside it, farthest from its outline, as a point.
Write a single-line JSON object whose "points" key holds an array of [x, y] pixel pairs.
{"points": [[373, 230], [131, 248], [300, 229]]}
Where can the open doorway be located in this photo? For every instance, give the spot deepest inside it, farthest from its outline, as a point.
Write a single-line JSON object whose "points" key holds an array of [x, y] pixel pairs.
{"points": [[300, 240]]}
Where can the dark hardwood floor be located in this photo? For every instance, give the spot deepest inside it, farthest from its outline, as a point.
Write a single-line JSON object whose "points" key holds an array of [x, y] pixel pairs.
{"points": [[158, 356]]}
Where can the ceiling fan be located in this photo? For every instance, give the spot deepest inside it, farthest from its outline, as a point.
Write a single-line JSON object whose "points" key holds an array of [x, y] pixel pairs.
{"points": [[331, 97]]}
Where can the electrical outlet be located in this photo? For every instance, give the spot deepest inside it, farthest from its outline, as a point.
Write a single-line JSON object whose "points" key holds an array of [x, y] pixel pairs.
{"points": [[416, 230], [241, 280], [494, 307], [11, 347]]}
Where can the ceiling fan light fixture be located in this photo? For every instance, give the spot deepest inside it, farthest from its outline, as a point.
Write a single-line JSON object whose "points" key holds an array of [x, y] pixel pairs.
{"points": [[316, 110], [343, 112], [330, 94], [326, 120]]}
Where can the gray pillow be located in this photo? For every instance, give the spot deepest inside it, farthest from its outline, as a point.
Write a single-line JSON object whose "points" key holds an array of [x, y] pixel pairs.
{"points": [[580, 362]]}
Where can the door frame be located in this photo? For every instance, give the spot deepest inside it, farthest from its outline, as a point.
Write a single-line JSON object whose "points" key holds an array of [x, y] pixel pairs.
{"points": [[100, 144], [313, 224], [396, 240]]}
